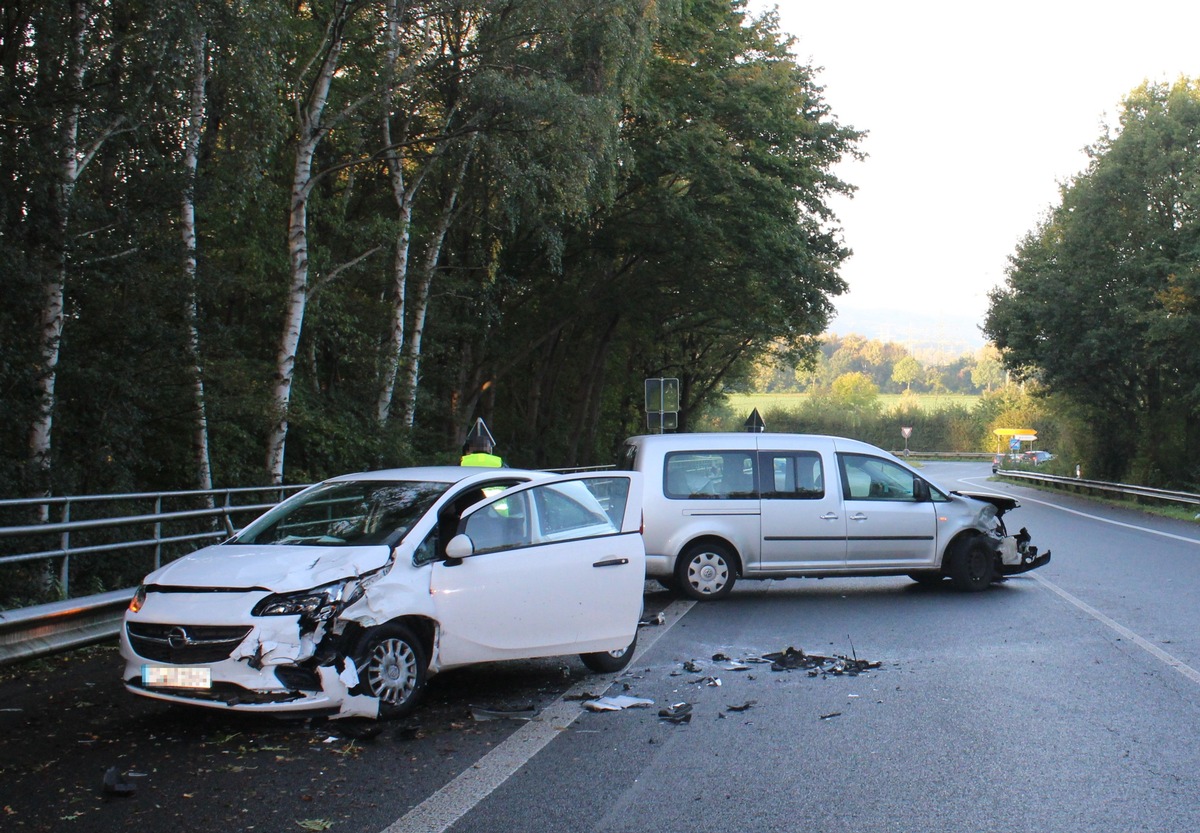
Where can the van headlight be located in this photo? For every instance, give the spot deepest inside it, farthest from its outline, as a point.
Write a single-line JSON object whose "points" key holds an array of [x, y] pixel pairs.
{"points": [[318, 604], [986, 518]]}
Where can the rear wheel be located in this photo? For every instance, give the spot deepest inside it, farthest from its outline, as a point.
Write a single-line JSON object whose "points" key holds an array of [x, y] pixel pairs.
{"points": [[972, 565], [608, 662], [706, 571]]}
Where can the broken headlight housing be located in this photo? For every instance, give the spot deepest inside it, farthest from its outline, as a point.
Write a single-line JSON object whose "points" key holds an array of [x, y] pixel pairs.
{"points": [[318, 604]]}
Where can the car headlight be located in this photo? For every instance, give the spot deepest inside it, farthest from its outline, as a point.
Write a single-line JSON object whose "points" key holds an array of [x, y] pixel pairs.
{"points": [[317, 604]]}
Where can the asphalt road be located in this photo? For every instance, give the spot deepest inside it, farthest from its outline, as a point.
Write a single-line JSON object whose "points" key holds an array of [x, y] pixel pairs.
{"points": [[1063, 700]]}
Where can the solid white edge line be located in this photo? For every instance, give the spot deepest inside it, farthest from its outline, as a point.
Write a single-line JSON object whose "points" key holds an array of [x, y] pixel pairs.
{"points": [[1147, 646], [453, 801]]}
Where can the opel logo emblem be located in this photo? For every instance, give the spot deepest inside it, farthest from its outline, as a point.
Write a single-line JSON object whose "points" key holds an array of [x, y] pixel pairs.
{"points": [[178, 638]]}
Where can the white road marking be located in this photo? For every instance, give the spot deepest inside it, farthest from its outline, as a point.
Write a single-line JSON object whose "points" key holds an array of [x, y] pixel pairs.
{"points": [[1147, 530], [1147, 646], [453, 801]]}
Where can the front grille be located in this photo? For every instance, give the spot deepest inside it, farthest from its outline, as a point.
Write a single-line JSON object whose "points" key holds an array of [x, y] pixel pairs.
{"points": [[185, 644]]}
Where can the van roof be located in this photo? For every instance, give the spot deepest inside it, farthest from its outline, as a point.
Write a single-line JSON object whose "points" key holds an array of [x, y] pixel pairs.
{"points": [[734, 440]]}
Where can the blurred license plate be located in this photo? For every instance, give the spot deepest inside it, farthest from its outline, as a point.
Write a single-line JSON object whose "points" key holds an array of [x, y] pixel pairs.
{"points": [[155, 676]]}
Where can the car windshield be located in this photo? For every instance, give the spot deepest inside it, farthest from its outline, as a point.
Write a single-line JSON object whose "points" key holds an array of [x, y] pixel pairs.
{"points": [[351, 513]]}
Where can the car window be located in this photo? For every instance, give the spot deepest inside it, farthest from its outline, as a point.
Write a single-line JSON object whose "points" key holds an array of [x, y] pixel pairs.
{"points": [[501, 525], [728, 475], [794, 475], [873, 478], [580, 508], [448, 517], [569, 510]]}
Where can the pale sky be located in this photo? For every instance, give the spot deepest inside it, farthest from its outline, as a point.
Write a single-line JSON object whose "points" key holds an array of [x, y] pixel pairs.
{"points": [[975, 113]]}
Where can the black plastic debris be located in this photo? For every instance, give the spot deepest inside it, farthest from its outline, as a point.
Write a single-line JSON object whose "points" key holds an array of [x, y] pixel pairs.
{"points": [[482, 713], [831, 715], [117, 783], [744, 707], [794, 659], [691, 667], [678, 713]]}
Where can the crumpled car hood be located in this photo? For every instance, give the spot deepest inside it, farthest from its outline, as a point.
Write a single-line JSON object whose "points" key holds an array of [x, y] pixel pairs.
{"points": [[277, 568], [1003, 504]]}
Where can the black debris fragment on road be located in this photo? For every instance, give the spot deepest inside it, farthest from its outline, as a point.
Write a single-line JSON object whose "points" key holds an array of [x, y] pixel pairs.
{"points": [[118, 783], [678, 713], [793, 659]]}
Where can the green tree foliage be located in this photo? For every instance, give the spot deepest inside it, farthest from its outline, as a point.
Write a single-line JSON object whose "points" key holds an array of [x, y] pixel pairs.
{"points": [[608, 190], [906, 371], [1102, 301]]}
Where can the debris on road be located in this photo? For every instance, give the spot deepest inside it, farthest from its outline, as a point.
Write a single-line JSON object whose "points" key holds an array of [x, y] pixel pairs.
{"points": [[744, 707], [678, 713], [831, 715], [117, 783], [482, 713], [656, 619], [614, 704], [794, 659]]}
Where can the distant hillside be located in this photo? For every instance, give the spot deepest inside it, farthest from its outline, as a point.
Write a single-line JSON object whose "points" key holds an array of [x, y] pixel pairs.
{"points": [[933, 338]]}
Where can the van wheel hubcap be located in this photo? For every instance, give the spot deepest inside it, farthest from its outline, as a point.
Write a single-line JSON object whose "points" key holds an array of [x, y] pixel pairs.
{"points": [[708, 572]]}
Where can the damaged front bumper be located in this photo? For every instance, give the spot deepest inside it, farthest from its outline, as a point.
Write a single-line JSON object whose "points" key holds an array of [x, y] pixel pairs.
{"points": [[262, 673], [1017, 555]]}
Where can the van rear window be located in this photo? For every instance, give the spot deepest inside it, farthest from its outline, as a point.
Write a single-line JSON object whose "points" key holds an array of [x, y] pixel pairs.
{"points": [[713, 475]]}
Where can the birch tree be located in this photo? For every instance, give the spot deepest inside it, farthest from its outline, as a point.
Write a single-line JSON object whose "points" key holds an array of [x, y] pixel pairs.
{"points": [[310, 98]]}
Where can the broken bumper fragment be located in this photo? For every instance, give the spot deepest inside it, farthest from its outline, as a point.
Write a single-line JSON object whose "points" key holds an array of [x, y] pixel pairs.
{"points": [[1017, 555]]}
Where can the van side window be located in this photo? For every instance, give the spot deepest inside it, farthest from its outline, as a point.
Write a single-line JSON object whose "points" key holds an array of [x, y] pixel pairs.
{"points": [[728, 475], [873, 478], [792, 475]]}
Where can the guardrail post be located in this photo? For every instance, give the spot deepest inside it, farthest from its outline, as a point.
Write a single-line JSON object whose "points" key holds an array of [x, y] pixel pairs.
{"points": [[64, 542], [158, 533]]}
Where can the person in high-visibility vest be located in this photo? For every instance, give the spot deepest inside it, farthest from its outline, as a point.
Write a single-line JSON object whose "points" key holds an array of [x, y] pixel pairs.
{"points": [[479, 446]]}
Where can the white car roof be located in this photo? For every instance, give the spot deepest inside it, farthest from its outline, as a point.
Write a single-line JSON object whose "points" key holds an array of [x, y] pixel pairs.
{"points": [[440, 474]]}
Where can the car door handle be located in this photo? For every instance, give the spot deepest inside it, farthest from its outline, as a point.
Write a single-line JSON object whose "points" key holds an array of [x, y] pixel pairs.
{"points": [[858, 516], [829, 516], [612, 562]]}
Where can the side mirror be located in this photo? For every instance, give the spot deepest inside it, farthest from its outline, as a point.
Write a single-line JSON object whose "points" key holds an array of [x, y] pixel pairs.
{"points": [[920, 490], [459, 547]]}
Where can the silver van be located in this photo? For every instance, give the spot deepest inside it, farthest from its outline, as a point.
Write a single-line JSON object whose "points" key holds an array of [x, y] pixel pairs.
{"points": [[719, 507]]}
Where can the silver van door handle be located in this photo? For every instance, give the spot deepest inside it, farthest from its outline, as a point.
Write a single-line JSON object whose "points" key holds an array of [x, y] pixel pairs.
{"points": [[829, 516], [858, 516]]}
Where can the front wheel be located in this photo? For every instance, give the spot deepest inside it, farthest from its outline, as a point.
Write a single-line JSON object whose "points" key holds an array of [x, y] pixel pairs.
{"points": [[608, 662], [391, 666], [706, 572], [972, 565]]}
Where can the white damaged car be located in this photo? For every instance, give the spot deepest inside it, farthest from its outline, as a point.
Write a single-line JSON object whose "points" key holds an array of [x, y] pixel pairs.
{"points": [[344, 598]]}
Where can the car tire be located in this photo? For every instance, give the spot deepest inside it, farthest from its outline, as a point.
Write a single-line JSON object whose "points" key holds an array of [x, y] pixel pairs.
{"points": [[609, 662], [928, 579], [972, 565], [391, 666], [706, 571]]}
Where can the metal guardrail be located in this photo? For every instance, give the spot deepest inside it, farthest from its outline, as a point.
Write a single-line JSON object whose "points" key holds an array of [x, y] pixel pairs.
{"points": [[44, 629], [1125, 489]]}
